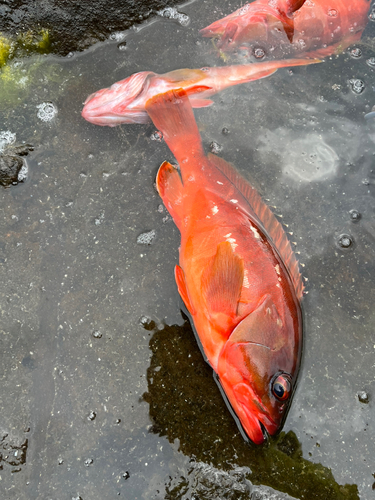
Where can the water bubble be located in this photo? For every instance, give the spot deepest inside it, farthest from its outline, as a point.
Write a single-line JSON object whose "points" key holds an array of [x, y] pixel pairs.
{"points": [[6, 138], [22, 174], [354, 215], [244, 9], [172, 13], [371, 62], [88, 462], [147, 323], [156, 136], [215, 147], [99, 220], [183, 19], [91, 416], [363, 397], [357, 85], [146, 238], [117, 36], [96, 334], [122, 46], [321, 162], [356, 53], [126, 475], [332, 13], [371, 115], [46, 111], [259, 53], [345, 241]]}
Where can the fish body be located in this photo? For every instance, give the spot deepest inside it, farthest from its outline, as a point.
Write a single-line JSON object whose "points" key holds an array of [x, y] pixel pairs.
{"points": [[315, 28], [124, 101], [237, 274]]}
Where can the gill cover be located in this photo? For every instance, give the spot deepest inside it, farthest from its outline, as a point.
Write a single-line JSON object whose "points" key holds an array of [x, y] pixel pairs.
{"points": [[254, 366]]}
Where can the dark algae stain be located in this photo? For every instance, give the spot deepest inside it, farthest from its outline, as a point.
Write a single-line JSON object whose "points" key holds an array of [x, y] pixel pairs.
{"points": [[185, 404]]}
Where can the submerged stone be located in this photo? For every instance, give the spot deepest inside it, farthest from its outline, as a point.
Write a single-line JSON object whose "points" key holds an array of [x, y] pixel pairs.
{"points": [[12, 165]]}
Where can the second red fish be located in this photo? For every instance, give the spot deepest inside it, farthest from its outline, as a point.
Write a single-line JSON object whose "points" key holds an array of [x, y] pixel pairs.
{"points": [[316, 28]]}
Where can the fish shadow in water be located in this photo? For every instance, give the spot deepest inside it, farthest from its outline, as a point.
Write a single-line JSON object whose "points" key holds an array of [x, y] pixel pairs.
{"points": [[185, 404]]}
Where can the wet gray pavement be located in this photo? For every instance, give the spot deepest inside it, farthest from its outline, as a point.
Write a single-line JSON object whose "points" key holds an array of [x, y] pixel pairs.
{"points": [[100, 395]]}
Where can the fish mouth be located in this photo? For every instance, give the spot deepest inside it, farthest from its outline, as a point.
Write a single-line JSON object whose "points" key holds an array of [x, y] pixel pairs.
{"points": [[254, 430]]}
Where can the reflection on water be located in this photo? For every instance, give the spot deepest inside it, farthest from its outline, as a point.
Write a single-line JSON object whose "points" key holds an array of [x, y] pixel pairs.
{"points": [[88, 247]]}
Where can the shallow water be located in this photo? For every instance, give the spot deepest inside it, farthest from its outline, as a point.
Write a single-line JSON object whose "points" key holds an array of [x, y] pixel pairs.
{"points": [[113, 400]]}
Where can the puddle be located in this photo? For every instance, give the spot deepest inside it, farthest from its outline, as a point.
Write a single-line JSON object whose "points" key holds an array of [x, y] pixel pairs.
{"points": [[73, 263]]}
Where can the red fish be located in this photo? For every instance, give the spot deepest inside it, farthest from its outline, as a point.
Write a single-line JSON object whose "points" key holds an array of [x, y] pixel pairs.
{"points": [[237, 273], [312, 27], [124, 101]]}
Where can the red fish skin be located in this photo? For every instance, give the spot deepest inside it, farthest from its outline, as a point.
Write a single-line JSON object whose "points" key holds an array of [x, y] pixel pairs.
{"points": [[317, 28], [244, 304], [124, 101]]}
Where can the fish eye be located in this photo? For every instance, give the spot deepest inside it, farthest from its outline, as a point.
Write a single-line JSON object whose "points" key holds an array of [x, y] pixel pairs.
{"points": [[281, 386]]}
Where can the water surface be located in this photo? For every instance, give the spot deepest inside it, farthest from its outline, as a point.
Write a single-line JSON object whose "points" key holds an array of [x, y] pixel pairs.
{"points": [[93, 373]]}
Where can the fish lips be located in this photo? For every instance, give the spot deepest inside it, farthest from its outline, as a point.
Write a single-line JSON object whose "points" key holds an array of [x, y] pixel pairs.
{"points": [[256, 420], [253, 422]]}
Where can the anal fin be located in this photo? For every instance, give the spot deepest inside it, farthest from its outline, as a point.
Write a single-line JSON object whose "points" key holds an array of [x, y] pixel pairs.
{"points": [[200, 103], [222, 281], [170, 188]]}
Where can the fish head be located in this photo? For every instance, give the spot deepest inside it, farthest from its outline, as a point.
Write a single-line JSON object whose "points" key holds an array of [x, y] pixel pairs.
{"points": [[258, 366], [123, 102]]}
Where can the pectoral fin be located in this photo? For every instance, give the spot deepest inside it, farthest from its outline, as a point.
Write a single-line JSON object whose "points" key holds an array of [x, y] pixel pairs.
{"points": [[170, 188], [222, 281], [200, 103], [182, 288]]}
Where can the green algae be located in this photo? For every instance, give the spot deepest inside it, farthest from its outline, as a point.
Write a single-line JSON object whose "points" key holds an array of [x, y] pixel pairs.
{"points": [[25, 44], [19, 77], [5, 50], [16, 77], [185, 404]]}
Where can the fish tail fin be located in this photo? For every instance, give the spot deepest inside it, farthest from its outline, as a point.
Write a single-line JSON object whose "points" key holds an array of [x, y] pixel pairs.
{"points": [[171, 190], [173, 115]]}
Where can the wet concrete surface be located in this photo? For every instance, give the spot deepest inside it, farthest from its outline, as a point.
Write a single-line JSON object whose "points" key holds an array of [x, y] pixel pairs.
{"points": [[88, 315], [74, 25]]}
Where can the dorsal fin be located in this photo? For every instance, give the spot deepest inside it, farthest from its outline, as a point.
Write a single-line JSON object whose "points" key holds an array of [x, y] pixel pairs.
{"points": [[266, 219]]}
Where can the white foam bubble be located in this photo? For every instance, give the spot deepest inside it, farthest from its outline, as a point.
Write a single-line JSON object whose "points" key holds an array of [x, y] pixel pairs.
{"points": [[172, 13], [146, 238], [22, 174], [46, 111], [6, 138]]}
